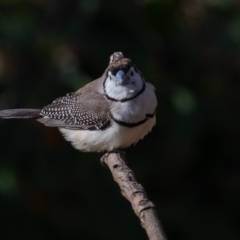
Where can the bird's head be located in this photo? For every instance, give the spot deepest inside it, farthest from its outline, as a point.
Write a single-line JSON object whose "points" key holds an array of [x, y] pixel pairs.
{"points": [[123, 80]]}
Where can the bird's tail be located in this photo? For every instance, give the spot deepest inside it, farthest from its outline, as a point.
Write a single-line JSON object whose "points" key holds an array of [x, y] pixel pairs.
{"points": [[23, 113]]}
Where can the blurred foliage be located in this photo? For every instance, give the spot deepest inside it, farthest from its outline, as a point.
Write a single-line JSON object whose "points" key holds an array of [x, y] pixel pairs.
{"points": [[189, 164]]}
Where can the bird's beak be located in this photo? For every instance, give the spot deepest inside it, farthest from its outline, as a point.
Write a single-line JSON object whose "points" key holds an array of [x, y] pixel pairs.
{"points": [[120, 78]]}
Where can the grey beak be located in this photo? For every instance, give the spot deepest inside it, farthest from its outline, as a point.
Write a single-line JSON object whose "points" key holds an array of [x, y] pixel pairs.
{"points": [[120, 78]]}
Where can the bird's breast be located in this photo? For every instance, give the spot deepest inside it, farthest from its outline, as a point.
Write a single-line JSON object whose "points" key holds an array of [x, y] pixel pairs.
{"points": [[135, 110]]}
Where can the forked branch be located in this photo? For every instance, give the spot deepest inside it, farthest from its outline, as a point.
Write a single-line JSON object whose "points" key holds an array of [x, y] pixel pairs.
{"points": [[135, 194]]}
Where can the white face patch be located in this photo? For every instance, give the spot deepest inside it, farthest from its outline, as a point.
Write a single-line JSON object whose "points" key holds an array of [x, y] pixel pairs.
{"points": [[132, 84]]}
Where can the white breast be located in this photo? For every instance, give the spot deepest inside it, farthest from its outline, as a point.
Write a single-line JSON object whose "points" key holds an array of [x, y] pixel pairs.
{"points": [[136, 109], [114, 137]]}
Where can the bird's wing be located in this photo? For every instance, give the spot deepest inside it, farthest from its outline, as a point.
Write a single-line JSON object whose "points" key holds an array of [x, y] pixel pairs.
{"points": [[79, 110]]}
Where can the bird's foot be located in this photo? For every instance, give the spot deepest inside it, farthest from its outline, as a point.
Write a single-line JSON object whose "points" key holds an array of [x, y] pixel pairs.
{"points": [[105, 155], [102, 159]]}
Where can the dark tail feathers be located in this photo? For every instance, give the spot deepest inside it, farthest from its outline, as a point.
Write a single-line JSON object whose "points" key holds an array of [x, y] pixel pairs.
{"points": [[20, 113]]}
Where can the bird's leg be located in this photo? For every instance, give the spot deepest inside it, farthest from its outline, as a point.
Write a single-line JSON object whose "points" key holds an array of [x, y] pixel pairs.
{"points": [[105, 155]]}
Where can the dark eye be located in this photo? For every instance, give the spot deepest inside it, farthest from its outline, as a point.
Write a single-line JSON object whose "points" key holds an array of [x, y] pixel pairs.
{"points": [[110, 78], [132, 73]]}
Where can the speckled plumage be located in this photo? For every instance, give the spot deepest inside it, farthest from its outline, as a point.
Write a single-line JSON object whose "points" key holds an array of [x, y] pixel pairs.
{"points": [[72, 110]]}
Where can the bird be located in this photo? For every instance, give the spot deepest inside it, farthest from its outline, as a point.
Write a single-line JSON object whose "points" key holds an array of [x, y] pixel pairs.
{"points": [[110, 113]]}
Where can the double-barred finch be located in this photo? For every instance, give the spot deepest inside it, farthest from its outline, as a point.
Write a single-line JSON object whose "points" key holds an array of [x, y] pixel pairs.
{"points": [[110, 113]]}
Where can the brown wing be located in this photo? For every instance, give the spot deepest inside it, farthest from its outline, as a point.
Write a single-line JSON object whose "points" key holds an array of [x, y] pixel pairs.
{"points": [[78, 110]]}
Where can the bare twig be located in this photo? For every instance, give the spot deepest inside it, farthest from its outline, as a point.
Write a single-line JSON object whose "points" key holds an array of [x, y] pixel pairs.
{"points": [[135, 194]]}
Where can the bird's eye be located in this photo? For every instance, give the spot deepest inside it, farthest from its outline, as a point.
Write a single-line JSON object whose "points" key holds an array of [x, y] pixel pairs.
{"points": [[132, 73], [110, 77]]}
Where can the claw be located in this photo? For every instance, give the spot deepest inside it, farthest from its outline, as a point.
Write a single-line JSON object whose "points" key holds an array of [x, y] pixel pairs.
{"points": [[102, 159]]}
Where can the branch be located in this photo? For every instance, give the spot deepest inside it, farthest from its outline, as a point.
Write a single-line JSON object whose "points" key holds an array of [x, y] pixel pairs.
{"points": [[135, 194]]}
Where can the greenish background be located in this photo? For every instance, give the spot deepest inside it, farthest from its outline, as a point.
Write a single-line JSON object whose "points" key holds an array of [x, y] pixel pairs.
{"points": [[189, 164]]}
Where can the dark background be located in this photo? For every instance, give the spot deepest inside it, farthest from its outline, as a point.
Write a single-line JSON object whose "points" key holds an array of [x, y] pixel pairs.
{"points": [[189, 164]]}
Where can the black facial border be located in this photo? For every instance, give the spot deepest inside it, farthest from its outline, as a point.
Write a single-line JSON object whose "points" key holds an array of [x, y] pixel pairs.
{"points": [[125, 99]]}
